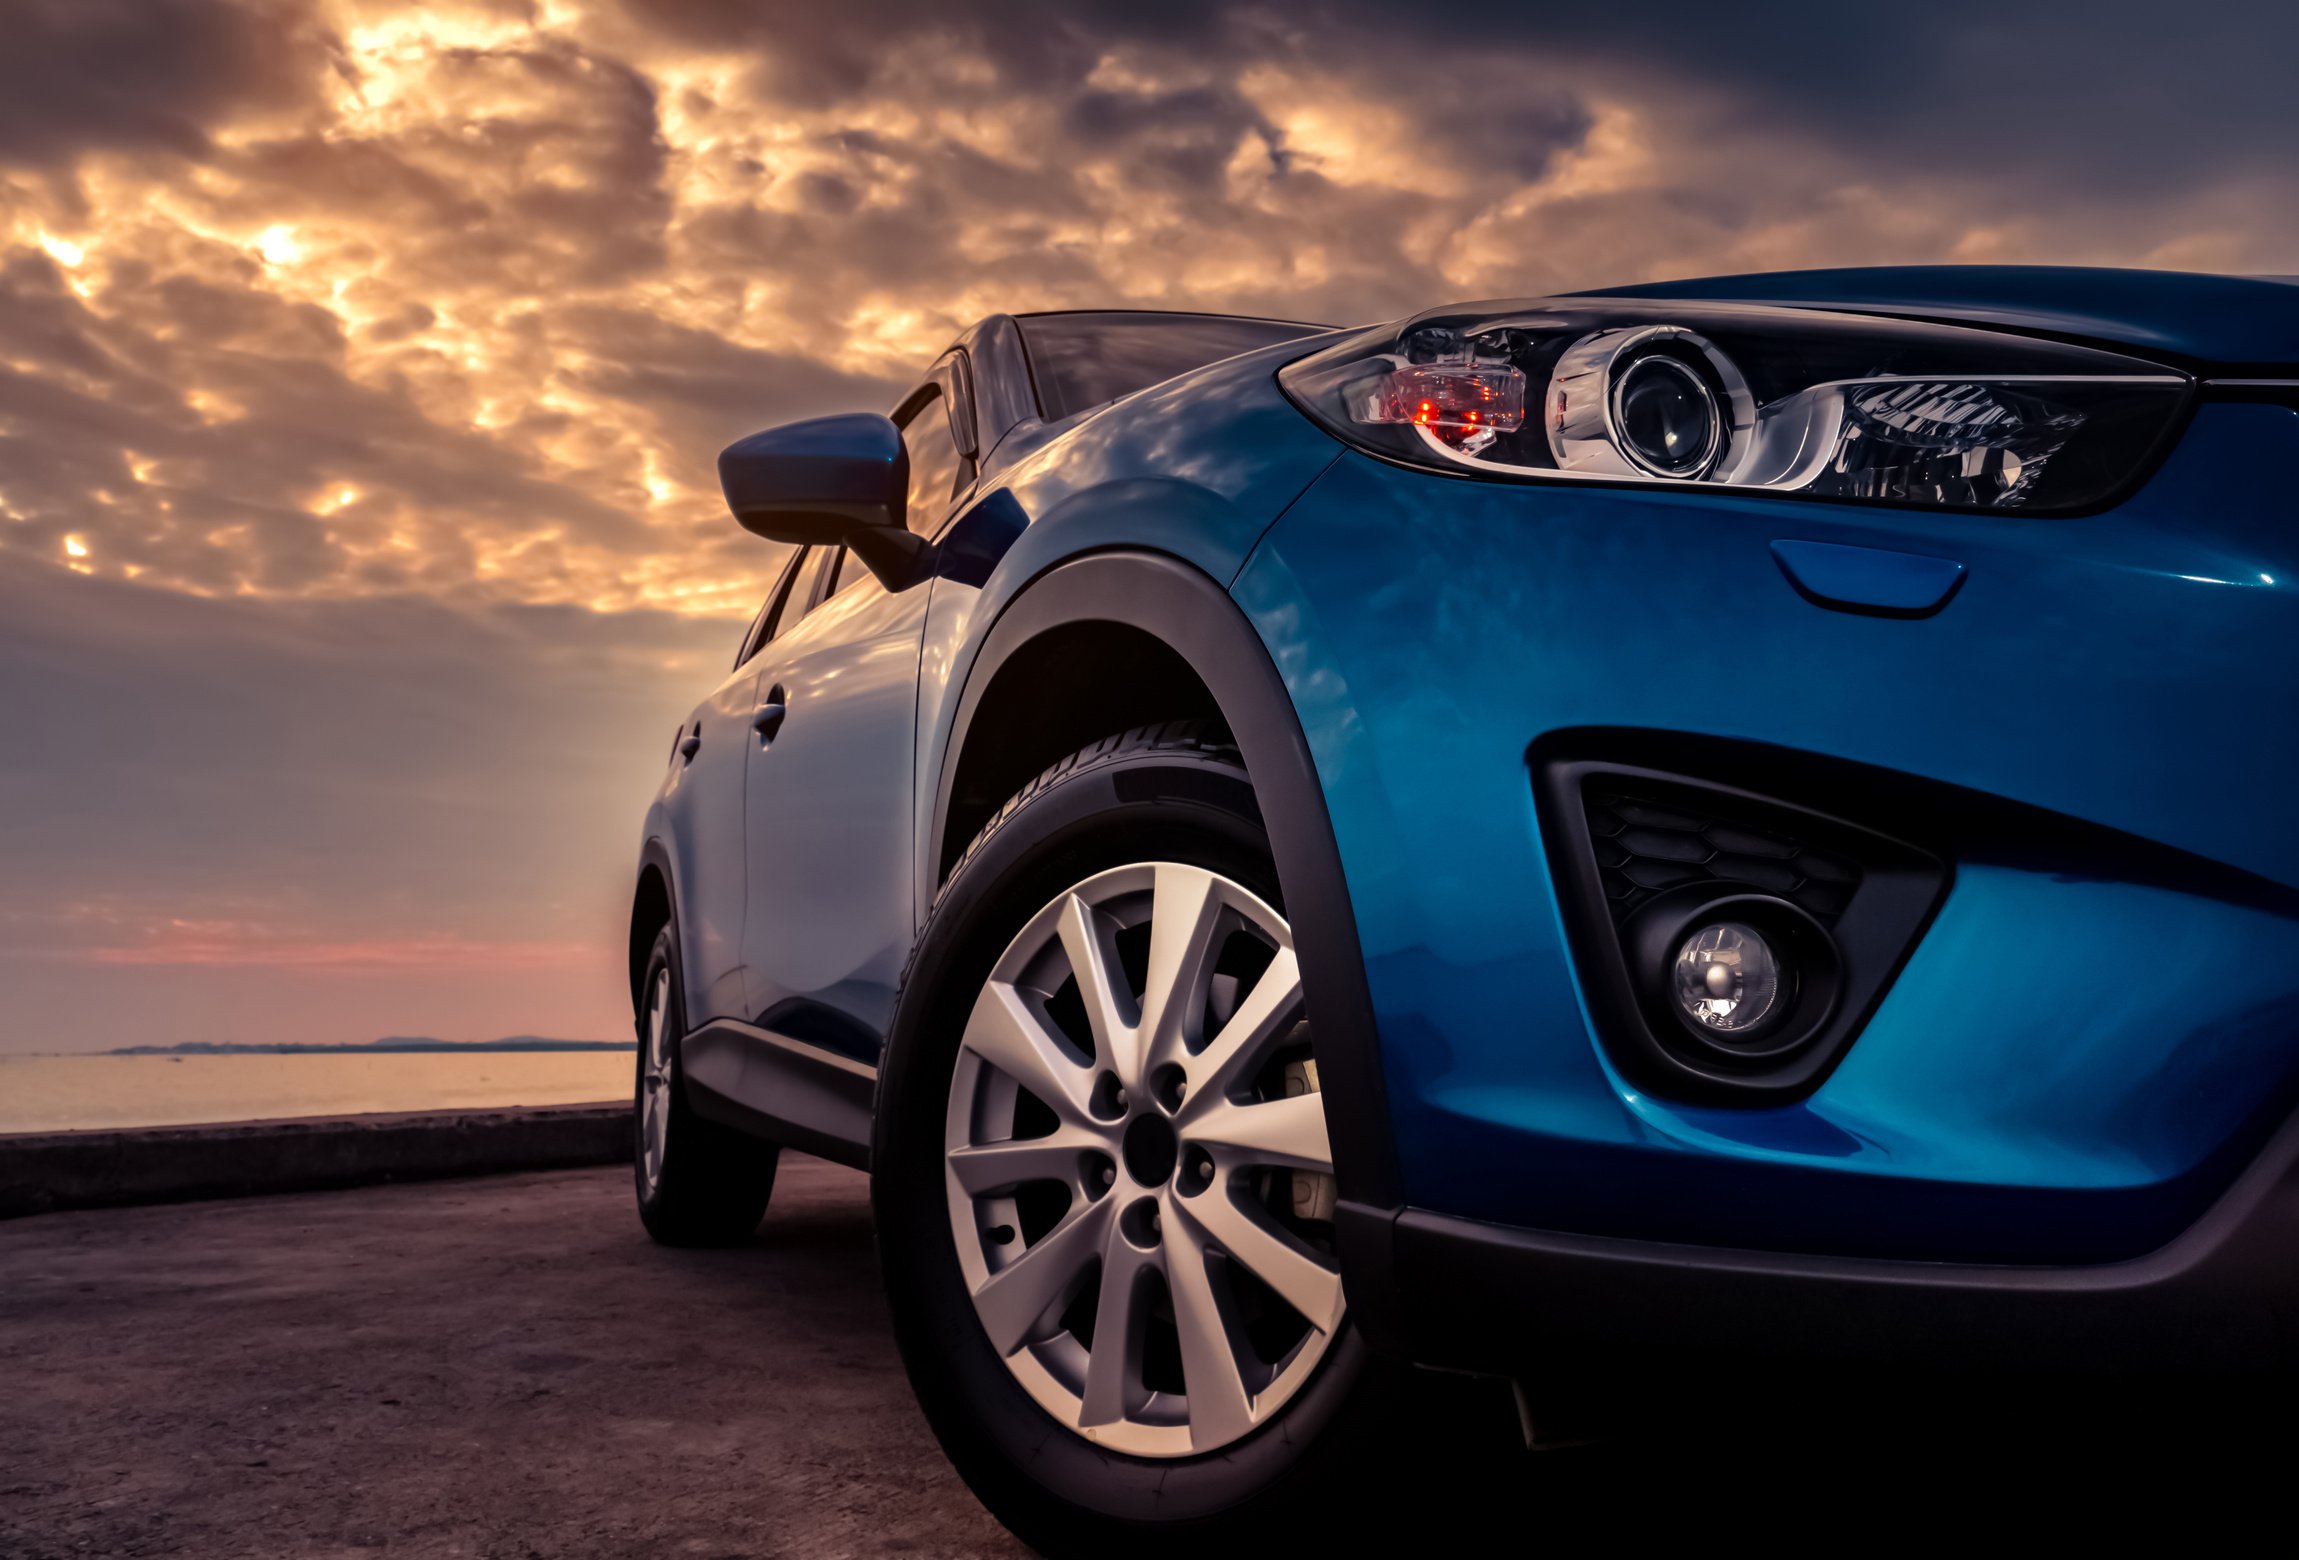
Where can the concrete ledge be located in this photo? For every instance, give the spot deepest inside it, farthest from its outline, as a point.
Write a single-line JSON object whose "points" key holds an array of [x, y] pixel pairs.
{"points": [[42, 1172]]}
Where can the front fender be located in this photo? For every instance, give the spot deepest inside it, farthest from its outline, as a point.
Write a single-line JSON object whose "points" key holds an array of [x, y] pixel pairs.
{"points": [[1193, 615]]}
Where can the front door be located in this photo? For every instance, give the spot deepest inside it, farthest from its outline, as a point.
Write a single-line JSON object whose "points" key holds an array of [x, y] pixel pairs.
{"points": [[705, 804], [827, 831], [830, 909]]}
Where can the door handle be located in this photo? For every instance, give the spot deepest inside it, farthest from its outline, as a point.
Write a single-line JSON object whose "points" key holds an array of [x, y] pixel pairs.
{"points": [[691, 744], [768, 719]]}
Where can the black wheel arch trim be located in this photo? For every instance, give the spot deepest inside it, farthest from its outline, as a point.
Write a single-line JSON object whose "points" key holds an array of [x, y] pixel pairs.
{"points": [[654, 856], [1192, 615]]}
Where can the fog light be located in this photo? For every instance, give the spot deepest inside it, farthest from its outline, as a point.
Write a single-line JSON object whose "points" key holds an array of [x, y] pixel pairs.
{"points": [[1728, 979]]}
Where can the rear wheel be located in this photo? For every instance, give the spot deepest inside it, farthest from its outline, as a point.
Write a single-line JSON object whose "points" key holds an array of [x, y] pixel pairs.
{"points": [[699, 1183], [1102, 1176]]}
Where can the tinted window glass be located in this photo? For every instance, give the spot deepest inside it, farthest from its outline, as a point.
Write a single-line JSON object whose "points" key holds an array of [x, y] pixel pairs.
{"points": [[762, 627], [1082, 360], [934, 461], [850, 569], [751, 637], [802, 589]]}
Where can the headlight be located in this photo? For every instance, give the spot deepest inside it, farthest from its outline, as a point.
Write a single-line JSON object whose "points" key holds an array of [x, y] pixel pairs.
{"points": [[1784, 401]]}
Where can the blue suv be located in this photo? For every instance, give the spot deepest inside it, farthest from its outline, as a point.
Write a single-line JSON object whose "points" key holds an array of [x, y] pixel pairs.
{"points": [[1739, 812]]}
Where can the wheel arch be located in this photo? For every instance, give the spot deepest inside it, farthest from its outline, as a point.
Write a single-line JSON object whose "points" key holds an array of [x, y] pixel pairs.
{"points": [[1067, 685], [652, 902], [1195, 644]]}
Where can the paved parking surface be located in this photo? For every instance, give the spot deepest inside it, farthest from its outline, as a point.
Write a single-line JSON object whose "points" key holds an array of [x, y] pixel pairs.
{"points": [[497, 1367], [507, 1367]]}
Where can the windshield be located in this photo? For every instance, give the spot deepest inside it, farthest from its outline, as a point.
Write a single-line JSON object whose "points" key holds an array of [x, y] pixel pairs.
{"points": [[1082, 360]]}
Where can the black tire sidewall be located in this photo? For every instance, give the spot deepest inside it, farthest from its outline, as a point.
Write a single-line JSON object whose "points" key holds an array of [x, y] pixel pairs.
{"points": [[716, 1180], [1054, 1487]]}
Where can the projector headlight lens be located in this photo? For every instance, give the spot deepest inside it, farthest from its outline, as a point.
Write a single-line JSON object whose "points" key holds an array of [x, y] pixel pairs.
{"points": [[1742, 397], [1729, 980], [1665, 417]]}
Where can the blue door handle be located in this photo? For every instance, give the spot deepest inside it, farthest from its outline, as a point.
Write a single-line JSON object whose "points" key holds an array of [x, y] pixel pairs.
{"points": [[768, 720]]}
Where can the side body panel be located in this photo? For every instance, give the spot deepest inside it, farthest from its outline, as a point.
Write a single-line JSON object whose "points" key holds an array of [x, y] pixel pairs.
{"points": [[698, 816], [828, 821]]}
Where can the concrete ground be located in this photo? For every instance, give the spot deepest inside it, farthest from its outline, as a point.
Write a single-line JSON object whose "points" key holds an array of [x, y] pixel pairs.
{"points": [[496, 1367], [507, 1367]]}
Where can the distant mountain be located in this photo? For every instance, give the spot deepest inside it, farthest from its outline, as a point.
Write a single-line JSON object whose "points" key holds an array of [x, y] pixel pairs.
{"points": [[387, 1043]]}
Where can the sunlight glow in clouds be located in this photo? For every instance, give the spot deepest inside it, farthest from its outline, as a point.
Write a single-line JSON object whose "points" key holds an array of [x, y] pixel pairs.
{"points": [[509, 273], [363, 364]]}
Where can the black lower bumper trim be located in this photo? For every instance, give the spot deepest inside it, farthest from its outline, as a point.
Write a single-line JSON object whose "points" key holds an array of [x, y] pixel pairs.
{"points": [[1476, 1296]]}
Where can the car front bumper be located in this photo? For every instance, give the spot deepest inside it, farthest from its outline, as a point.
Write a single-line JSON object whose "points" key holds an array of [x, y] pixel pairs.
{"points": [[2079, 1059], [1447, 1291]]}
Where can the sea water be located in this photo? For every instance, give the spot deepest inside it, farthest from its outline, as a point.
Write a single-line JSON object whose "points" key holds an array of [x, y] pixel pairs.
{"points": [[64, 1093]]}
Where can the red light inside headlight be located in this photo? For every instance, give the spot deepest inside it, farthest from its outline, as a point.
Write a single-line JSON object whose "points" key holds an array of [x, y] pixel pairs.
{"points": [[1446, 397]]}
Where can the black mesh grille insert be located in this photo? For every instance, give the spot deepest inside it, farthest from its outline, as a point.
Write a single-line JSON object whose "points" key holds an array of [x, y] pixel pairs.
{"points": [[1645, 844]]}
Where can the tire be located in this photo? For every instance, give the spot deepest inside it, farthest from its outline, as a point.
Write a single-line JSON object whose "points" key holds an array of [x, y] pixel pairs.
{"points": [[702, 1183], [1175, 795]]}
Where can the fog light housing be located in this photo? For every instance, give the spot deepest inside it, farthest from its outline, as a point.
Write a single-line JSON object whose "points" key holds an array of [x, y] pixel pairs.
{"points": [[1733, 981], [1729, 979]]}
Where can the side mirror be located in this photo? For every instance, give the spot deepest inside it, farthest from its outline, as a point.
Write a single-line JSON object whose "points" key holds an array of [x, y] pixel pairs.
{"points": [[828, 481]]}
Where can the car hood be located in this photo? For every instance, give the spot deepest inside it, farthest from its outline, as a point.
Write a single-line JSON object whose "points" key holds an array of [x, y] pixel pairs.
{"points": [[2222, 324]]}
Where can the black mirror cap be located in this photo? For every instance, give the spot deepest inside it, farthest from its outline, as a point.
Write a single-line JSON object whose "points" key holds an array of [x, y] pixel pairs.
{"points": [[812, 481], [828, 481]]}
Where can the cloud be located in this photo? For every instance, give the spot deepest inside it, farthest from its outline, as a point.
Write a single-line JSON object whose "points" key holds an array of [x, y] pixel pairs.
{"points": [[2115, 98], [383, 790], [149, 75], [363, 362], [389, 751], [353, 297]]}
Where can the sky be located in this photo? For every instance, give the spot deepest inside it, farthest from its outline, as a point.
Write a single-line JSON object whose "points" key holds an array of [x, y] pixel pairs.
{"points": [[362, 367]]}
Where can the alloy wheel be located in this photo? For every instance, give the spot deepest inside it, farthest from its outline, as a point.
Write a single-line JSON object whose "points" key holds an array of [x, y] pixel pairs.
{"points": [[655, 1082], [1137, 1163]]}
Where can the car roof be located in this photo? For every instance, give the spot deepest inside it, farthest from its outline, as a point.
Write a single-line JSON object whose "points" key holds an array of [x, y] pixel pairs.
{"points": [[1177, 314], [1004, 391]]}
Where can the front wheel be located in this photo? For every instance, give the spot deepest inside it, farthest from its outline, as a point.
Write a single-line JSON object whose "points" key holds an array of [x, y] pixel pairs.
{"points": [[1102, 1175]]}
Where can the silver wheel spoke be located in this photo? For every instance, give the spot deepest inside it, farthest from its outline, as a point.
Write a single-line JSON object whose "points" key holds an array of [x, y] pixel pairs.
{"points": [[1119, 1316], [1091, 942], [1043, 1279], [1174, 1086], [1287, 1134], [654, 1131], [1007, 1031], [1185, 911], [654, 1080], [1231, 1057], [988, 1168], [1219, 1408], [1300, 1277]]}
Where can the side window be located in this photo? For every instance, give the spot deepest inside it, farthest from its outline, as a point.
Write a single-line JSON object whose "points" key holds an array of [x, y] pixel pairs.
{"points": [[806, 589], [764, 626], [937, 470]]}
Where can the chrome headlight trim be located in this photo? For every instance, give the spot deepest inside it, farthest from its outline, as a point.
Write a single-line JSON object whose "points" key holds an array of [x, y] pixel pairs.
{"points": [[1808, 404]]}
